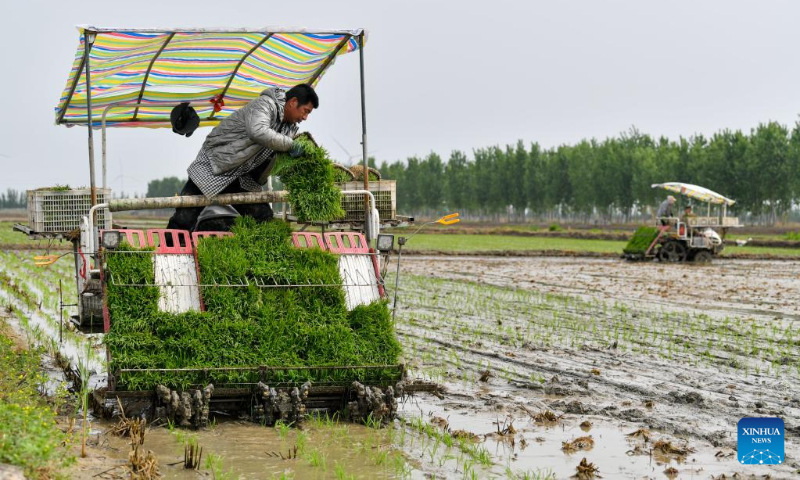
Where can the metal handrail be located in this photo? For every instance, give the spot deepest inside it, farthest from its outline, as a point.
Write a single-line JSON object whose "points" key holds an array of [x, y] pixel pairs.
{"points": [[203, 201]]}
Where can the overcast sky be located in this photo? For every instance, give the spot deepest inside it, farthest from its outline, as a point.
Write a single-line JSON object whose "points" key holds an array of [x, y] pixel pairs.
{"points": [[440, 76]]}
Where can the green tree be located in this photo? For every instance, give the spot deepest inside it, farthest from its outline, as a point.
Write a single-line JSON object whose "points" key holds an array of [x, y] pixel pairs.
{"points": [[533, 179], [769, 164], [458, 182], [165, 187], [432, 182], [517, 160]]}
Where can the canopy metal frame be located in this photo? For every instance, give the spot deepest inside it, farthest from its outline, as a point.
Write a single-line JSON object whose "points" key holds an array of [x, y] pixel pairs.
{"points": [[147, 75], [238, 66]]}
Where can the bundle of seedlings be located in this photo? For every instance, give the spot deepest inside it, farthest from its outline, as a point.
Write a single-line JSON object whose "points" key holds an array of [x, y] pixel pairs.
{"points": [[310, 180], [342, 174], [358, 173], [641, 240], [267, 303]]}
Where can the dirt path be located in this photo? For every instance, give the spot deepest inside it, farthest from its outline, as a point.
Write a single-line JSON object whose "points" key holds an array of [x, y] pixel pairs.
{"points": [[682, 351]]}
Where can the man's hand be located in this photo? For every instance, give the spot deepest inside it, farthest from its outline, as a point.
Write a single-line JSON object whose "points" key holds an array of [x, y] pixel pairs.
{"points": [[297, 149]]}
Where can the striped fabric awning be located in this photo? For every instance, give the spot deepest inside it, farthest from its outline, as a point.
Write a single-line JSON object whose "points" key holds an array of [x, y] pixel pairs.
{"points": [[192, 65], [696, 192]]}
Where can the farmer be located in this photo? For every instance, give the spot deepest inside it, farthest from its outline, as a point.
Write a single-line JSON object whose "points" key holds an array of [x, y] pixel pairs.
{"points": [[687, 214], [665, 210], [238, 154]]}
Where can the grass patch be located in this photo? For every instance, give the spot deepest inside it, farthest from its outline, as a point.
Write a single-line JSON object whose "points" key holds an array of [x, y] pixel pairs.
{"points": [[29, 436], [10, 237], [750, 250], [270, 324], [792, 236], [467, 243]]}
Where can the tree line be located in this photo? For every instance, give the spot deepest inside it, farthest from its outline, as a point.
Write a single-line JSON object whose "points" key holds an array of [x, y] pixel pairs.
{"points": [[165, 187], [592, 180], [13, 199], [606, 180]]}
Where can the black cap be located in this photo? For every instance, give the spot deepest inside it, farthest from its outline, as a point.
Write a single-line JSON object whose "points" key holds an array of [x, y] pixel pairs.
{"points": [[184, 119]]}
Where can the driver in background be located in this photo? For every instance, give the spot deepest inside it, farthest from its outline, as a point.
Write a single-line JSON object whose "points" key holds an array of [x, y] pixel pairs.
{"points": [[687, 214], [665, 210]]}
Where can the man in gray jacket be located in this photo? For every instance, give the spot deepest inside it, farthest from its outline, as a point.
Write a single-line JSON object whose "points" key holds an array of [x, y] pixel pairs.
{"points": [[238, 154], [665, 210]]}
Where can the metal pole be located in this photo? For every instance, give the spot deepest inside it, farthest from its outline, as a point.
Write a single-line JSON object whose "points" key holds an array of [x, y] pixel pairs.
{"points": [[401, 241], [328, 60], [88, 40], [364, 134], [61, 313]]}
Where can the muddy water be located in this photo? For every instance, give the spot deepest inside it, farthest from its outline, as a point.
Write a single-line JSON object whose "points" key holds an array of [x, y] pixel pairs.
{"points": [[251, 451], [539, 447]]}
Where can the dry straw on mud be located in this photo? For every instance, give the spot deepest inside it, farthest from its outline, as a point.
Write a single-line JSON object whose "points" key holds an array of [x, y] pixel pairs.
{"points": [[244, 326], [667, 448], [580, 443], [586, 470], [642, 433]]}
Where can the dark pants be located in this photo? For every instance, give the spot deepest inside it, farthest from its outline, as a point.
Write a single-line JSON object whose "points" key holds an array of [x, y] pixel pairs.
{"points": [[186, 218]]}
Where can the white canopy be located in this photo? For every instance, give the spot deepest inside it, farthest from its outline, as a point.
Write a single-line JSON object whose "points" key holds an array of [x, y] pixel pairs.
{"points": [[696, 192]]}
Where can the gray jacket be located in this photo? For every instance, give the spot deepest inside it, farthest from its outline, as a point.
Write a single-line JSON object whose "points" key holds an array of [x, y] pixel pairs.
{"points": [[241, 136], [665, 209]]}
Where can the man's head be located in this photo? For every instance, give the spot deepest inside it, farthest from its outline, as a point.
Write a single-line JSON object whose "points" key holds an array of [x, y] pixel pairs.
{"points": [[687, 209], [671, 199], [300, 101]]}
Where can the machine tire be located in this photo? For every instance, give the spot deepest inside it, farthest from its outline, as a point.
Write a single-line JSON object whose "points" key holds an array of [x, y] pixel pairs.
{"points": [[672, 251], [702, 256]]}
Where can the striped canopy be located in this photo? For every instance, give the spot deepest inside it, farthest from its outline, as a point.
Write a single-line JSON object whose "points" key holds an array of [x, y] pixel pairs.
{"points": [[696, 192], [192, 65]]}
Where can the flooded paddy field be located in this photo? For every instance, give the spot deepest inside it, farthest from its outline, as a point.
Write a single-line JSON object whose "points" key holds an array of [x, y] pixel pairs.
{"points": [[552, 367], [671, 354]]}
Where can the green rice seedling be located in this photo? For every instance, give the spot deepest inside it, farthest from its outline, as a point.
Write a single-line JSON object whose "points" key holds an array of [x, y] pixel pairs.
{"points": [[310, 181], [282, 428], [317, 459], [271, 322], [341, 473], [380, 456], [447, 439], [547, 474], [468, 467], [214, 465], [400, 466], [301, 441], [433, 450]]}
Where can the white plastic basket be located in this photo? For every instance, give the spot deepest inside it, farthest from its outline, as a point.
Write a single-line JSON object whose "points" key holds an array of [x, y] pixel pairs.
{"points": [[60, 211], [384, 191]]}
